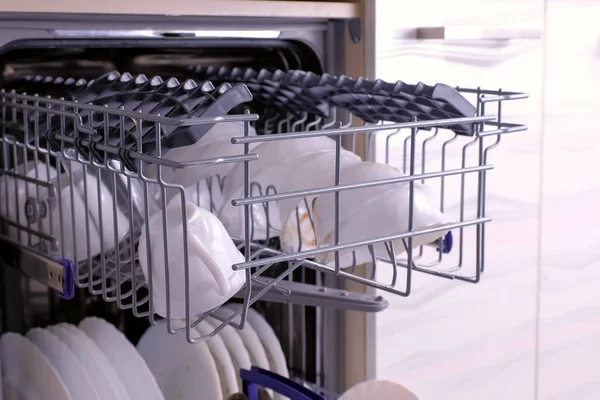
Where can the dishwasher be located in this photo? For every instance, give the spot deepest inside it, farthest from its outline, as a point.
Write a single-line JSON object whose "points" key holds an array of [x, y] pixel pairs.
{"points": [[106, 126]]}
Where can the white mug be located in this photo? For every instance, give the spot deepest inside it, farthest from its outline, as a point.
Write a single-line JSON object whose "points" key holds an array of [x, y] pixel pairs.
{"points": [[211, 254], [386, 214]]}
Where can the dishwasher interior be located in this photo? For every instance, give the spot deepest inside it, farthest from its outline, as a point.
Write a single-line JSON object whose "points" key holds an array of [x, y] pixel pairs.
{"points": [[64, 105]]}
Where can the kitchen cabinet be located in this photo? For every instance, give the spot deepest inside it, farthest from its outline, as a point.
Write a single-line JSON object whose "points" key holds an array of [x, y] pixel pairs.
{"points": [[449, 339], [529, 329], [569, 327]]}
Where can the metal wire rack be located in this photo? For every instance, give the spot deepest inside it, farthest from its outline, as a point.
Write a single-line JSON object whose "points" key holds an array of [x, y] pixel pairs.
{"points": [[84, 202]]}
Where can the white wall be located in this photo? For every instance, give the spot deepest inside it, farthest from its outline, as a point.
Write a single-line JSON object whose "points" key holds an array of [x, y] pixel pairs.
{"points": [[530, 329]]}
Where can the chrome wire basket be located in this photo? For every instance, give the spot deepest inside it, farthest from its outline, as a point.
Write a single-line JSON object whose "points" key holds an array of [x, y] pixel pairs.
{"points": [[75, 207]]}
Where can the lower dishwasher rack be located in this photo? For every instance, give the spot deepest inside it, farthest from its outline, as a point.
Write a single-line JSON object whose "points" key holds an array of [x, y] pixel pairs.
{"points": [[31, 240]]}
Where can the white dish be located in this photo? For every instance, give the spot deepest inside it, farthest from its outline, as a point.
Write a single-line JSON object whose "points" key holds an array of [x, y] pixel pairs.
{"points": [[11, 392], [102, 374], [15, 192], [258, 355], [354, 199], [72, 209], [238, 352], [379, 390], [227, 372], [183, 371], [205, 191], [125, 359], [211, 253], [66, 364], [276, 160], [270, 342], [385, 215], [215, 143], [318, 171], [28, 372]]}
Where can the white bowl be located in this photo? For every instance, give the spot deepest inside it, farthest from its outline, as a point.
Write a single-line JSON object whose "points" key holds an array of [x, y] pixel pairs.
{"points": [[386, 214], [318, 171], [14, 194], [107, 224], [378, 390], [352, 200], [211, 253], [277, 161], [216, 143], [74, 211], [201, 194]]}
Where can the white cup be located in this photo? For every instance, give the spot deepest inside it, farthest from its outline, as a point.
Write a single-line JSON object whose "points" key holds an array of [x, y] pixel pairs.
{"points": [[14, 193], [351, 200], [385, 214], [318, 171], [73, 214], [277, 161], [97, 207], [215, 143], [211, 253]]}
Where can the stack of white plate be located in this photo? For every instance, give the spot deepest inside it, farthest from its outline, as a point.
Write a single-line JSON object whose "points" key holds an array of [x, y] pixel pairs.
{"points": [[210, 370], [64, 362], [95, 361]]}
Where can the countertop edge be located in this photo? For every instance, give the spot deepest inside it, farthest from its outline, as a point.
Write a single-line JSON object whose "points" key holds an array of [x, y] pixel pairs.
{"points": [[216, 8]]}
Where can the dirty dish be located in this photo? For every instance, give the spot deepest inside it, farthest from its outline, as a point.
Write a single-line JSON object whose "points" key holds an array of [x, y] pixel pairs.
{"points": [[276, 161]]}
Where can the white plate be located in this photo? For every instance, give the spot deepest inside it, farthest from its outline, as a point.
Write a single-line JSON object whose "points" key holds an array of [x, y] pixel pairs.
{"points": [[66, 364], [378, 390], [270, 342], [125, 359], [182, 370], [227, 372], [258, 355], [94, 362], [28, 371], [235, 346]]}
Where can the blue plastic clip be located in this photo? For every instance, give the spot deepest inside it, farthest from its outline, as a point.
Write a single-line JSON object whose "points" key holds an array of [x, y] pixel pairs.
{"points": [[269, 380], [68, 279], [447, 244]]}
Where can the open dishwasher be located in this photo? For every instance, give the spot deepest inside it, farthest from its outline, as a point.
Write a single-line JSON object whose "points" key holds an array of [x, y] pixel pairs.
{"points": [[144, 159]]}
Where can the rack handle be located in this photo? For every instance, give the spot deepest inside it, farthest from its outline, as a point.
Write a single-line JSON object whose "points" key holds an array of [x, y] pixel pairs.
{"points": [[478, 33], [256, 377]]}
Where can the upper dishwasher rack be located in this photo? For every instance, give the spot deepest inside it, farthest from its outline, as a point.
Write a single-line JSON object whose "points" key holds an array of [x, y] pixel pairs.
{"points": [[372, 101], [111, 145]]}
